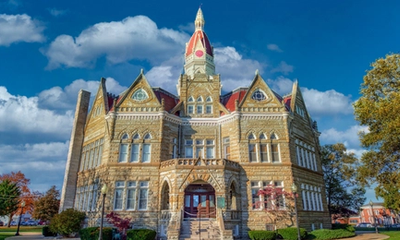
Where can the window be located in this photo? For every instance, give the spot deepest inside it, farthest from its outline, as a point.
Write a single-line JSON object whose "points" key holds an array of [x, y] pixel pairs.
{"points": [[136, 136], [199, 148], [208, 99], [174, 143], [208, 109], [190, 99], [252, 153], [190, 109], [146, 153], [264, 152], [199, 109], [123, 153], [210, 148], [258, 95], [143, 195], [135, 153], [256, 202], [118, 195], [262, 136], [91, 155], [275, 153], [189, 148], [227, 148], [251, 136], [199, 99], [140, 95], [131, 195], [147, 136]]}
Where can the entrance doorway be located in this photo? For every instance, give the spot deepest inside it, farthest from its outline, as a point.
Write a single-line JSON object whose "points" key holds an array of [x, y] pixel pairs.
{"points": [[199, 201]]}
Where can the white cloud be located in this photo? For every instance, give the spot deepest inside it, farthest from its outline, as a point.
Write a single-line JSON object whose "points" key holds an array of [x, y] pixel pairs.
{"points": [[56, 12], [19, 28], [132, 38], [283, 67], [274, 47], [281, 85], [234, 69], [349, 137], [22, 114], [327, 103]]}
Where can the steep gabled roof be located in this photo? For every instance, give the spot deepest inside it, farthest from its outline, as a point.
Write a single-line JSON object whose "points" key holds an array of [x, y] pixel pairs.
{"points": [[228, 100], [170, 100]]}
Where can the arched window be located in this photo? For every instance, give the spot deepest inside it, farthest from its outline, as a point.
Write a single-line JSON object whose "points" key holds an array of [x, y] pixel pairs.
{"points": [[190, 99], [200, 99], [252, 148], [136, 136], [258, 95], [273, 136], [208, 99], [147, 136], [146, 151], [262, 136], [251, 136], [140, 95], [125, 136]]}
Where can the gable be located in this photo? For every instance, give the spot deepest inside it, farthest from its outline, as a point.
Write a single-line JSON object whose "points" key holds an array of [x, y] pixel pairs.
{"points": [[297, 103]]}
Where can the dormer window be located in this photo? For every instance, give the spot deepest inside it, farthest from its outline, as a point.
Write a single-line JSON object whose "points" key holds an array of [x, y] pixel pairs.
{"points": [[258, 95], [140, 95]]}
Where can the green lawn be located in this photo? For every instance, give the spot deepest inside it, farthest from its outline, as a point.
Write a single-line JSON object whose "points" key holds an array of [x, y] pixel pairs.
{"points": [[13, 229], [3, 235], [394, 235]]}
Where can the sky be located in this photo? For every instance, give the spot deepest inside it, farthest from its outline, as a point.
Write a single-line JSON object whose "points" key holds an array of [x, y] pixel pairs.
{"points": [[49, 50]]}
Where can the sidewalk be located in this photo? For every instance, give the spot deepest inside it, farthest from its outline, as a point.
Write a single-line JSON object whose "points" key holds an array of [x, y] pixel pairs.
{"points": [[34, 236], [369, 236]]}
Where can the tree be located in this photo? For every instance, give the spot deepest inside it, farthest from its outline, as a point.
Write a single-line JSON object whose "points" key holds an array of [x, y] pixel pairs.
{"points": [[26, 195], [121, 223], [47, 205], [378, 109], [9, 197], [338, 167], [278, 204]]}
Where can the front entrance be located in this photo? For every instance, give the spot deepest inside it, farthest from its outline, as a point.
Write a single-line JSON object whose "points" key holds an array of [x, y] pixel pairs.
{"points": [[199, 201]]}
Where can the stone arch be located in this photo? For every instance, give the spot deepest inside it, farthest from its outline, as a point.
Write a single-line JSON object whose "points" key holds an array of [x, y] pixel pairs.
{"points": [[205, 177], [249, 134], [122, 133], [233, 202], [165, 194]]}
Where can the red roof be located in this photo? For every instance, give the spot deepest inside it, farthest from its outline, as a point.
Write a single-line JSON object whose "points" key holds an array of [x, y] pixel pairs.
{"points": [[170, 100], [287, 100], [229, 99], [201, 36]]}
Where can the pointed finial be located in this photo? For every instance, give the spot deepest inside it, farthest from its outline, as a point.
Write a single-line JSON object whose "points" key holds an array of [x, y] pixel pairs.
{"points": [[199, 22], [256, 72], [141, 71]]}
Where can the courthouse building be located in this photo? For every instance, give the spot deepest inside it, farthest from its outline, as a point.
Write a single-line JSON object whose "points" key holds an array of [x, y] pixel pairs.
{"points": [[170, 160]]}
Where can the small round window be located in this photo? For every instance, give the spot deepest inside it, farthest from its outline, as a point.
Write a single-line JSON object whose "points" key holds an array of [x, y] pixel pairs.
{"points": [[258, 95], [140, 95]]}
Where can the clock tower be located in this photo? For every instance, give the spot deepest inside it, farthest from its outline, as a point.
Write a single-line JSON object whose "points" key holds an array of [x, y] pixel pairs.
{"points": [[199, 55]]}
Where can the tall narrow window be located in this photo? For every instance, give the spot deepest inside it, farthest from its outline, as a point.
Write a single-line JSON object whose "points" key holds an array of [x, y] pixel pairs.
{"points": [[135, 153], [227, 148], [190, 109], [146, 153], [208, 109], [252, 153], [118, 195], [255, 198], [199, 148], [264, 152], [123, 152], [275, 153], [210, 148], [189, 148], [131, 196], [199, 109], [143, 195]]}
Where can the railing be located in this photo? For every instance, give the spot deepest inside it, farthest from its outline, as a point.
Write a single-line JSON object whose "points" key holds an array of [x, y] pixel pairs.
{"points": [[234, 214], [198, 162]]}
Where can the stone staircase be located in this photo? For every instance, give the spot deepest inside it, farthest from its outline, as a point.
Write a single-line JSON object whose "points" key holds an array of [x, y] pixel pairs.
{"points": [[205, 229]]}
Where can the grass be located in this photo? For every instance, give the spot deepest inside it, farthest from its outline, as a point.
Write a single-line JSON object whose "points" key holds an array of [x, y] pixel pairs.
{"points": [[3, 235], [394, 235], [13, 229]]}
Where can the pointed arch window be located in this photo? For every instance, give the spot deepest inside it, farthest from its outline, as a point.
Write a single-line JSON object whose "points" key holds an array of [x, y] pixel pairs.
{"points": [[258, 95], [140, 95], [209, 99], [146, 151], [251, 136], [200, 99], [190, 99], [136, 136], [262, 136]]}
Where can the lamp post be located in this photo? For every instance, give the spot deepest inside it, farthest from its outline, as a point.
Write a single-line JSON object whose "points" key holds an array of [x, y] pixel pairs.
{"points": [[20, 214], [373, 215], [294, 191], [103, 192]]}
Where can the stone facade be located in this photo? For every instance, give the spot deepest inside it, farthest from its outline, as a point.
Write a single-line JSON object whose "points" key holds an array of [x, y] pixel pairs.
{"points": [[166, 159]]}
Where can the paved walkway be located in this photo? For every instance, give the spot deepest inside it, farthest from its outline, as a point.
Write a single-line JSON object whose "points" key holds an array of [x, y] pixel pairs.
{"points": [[39, 236]]}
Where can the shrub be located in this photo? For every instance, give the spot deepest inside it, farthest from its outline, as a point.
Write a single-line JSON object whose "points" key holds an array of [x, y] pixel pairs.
{"points": [[92, 233], [47, 233], [141, 234], [347, 227], [67, 222], [262, 235], [291, 233], [325, 234]]}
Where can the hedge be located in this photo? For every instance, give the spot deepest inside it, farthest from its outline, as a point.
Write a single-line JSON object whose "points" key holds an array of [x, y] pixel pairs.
{"points": [[47, 233], [262, 235], [291, 233], [325, 234], [347, 227], [92, 233], [141, 234]]}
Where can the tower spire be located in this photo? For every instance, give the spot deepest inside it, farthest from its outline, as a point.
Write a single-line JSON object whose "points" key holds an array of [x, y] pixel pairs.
{"points": [[199, 22]]}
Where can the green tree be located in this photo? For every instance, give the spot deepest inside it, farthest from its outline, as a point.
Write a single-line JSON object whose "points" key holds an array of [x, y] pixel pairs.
{"points": [[378, 109], [47, 205], [9, 197], [339, 167]]}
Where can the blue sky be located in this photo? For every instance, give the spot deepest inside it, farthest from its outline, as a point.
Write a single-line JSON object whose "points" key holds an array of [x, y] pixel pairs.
{"points": [[51, 49]]}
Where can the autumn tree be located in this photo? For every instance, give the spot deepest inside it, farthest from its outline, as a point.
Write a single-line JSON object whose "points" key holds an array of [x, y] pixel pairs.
{"points": [[378, 109], [343, 193], [26, 195], [122, 224], [9, 197], [278, 205], [47, 205]]}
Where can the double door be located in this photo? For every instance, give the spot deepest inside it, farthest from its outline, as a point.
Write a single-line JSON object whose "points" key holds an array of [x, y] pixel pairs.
{"points": [[200, 205]]}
